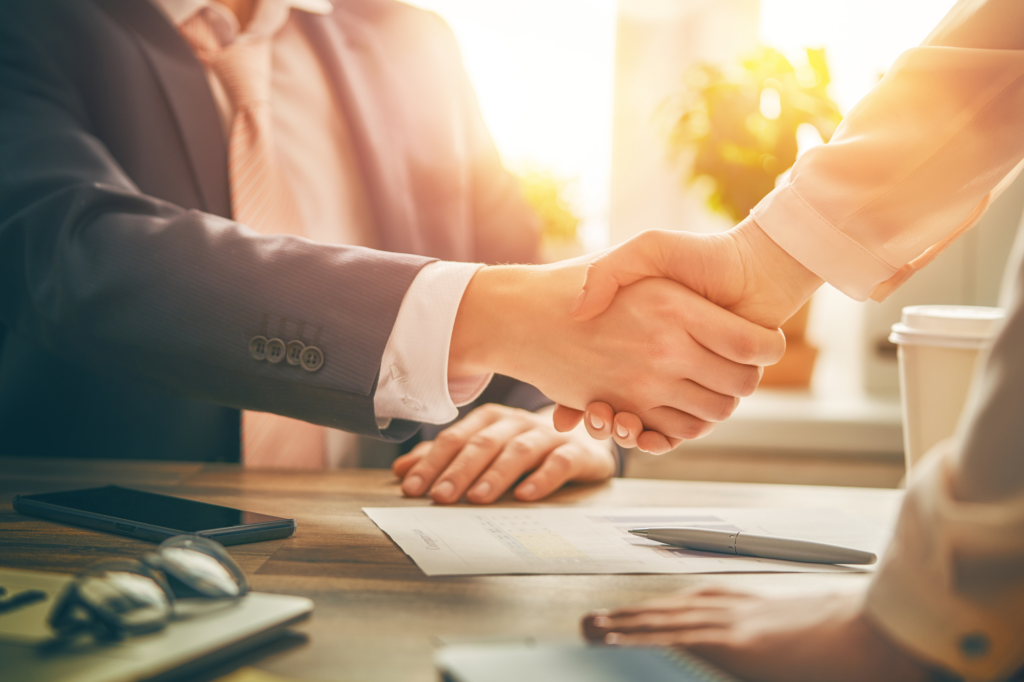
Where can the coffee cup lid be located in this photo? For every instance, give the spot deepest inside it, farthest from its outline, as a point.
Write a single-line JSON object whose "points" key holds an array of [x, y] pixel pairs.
{"points": [[954, 326]]}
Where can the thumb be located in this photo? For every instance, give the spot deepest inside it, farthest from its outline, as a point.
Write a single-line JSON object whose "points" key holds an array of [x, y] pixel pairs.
{"points": [[645, 255]]}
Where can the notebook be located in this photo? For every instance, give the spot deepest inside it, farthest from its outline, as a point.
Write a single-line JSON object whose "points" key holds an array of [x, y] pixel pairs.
{"points": [[208, 632], [542, 662]]}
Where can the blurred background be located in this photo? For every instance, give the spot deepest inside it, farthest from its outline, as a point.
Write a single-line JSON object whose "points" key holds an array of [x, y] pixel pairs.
{"points": [[680, 114]]}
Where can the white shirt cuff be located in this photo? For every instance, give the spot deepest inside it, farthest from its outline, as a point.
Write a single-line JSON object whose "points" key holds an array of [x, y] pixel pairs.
{"points": [[413, 381]]}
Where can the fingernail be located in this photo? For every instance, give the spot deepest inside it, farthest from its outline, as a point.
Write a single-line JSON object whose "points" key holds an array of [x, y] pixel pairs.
{"points": [[482, 490], [596, 421], [621, 430], [443, 489], [413, 486], [578, 303], [527, 490], [601, 622], [611, 638]]}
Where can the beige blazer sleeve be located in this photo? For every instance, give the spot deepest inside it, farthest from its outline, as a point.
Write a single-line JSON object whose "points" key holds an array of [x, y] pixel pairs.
{"points": [[913, 166], [951, 586]]}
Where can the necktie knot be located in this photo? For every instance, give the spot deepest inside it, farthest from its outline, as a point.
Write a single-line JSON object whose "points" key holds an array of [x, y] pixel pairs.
{"points": [[243, 66]]}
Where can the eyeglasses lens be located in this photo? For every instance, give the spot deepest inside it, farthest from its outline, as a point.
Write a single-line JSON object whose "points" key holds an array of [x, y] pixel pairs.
{"points": [[134, 602], [200, 571]]}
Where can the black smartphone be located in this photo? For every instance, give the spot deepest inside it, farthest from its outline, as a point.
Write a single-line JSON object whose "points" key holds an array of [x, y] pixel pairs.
{"points": [[150, 516]]}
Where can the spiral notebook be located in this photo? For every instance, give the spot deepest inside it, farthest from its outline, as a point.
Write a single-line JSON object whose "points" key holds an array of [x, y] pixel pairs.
{"points": [[542, 662]]}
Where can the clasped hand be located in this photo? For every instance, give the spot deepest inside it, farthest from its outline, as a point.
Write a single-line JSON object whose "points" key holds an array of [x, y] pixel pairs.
{"points": [[659, 351], [742, 270]]}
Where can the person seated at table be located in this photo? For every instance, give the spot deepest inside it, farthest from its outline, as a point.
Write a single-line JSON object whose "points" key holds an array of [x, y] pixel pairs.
{"points": [[183, 181], [914, 165]]}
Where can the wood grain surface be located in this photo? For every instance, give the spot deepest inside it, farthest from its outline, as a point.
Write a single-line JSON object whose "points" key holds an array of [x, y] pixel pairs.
{"points": [[377, 616]]}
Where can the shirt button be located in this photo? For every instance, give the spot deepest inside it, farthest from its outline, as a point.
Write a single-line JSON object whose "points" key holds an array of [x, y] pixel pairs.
{"points": [[293, 352], [311, 359], [974, 644], [413, 404], [275, 351], [258, 347]]}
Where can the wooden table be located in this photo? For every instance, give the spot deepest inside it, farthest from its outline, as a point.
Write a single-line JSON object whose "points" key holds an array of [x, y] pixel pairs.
{"points": [[376, 614]]}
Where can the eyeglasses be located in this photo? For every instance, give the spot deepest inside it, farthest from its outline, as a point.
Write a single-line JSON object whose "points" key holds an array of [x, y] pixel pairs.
{"points": [[115, 598]]}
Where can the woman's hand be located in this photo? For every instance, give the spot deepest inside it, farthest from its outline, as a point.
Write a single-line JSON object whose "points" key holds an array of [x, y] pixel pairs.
{"points": [[485, 453], [795, 639]]}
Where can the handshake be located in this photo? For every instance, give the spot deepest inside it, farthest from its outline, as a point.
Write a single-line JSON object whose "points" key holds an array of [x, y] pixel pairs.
{"points": [[651, 343]]}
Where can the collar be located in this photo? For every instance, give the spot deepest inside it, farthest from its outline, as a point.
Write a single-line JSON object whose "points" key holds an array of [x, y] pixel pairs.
{"points": [[180, 10]]}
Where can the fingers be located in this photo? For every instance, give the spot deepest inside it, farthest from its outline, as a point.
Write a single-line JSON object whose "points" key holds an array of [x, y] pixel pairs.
{"points": [[563, 464], [444, 448], [720, 376], [520, 454], [598, 420], [401, 466], [666, 616], [661, 621], [733, 337], [479, 451], [627, 427], [654, 443], [645, 255], [565, 418], [675, 424]]}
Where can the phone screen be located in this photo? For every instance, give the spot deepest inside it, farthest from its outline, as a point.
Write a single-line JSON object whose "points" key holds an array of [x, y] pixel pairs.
{"points": [[175, 513]]}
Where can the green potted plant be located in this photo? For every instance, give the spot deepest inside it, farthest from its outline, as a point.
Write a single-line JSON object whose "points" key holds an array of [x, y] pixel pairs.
{"points": [[545, 193], [738, 129]]}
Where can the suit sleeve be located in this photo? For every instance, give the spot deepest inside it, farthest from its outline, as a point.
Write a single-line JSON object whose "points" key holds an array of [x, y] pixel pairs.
{"points": [[104, 276]]}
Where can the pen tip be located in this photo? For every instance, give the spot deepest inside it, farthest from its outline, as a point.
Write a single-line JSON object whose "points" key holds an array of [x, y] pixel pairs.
{"points": [[639, 531]]}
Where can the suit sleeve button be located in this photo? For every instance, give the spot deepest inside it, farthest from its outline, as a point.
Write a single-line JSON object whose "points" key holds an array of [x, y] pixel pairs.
{"points": [[275, 351], [293, 352], [258, 347], [312, 358], [975, 644]]}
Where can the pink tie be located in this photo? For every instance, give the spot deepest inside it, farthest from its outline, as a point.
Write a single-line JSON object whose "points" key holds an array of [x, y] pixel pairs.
{"points": [[261, 199]]}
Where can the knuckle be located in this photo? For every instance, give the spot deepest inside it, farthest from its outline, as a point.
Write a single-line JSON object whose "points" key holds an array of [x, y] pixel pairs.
{"points": [[746, 349], [705, 429], [749, 380], [560, 461], [661, 348], [482, 441], [491, 409], [448, 439], [692, 429], [518, 448], [728, 407]]}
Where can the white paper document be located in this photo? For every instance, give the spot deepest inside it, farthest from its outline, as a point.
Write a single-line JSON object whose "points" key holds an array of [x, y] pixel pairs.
{"points": [[493, 541]]}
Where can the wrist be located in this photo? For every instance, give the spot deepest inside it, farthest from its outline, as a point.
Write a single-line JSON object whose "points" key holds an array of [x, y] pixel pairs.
{"points": [[509, 315], [775, 279], [484, 335]]}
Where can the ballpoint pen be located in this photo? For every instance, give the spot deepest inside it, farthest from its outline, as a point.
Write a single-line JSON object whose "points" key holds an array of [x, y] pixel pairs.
{"points": [[761, 546]]}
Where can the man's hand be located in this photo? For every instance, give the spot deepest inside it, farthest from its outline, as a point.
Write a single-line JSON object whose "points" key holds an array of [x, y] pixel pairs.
{"points": [[742, 270], [491, 448], [658, 344]]}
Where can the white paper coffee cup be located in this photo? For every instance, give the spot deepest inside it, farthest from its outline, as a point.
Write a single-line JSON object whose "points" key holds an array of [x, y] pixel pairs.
{"points": [[939, 347]]}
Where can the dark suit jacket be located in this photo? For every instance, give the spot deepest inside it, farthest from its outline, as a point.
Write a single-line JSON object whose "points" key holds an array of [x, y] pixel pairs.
{"points": [[127, 298]]}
